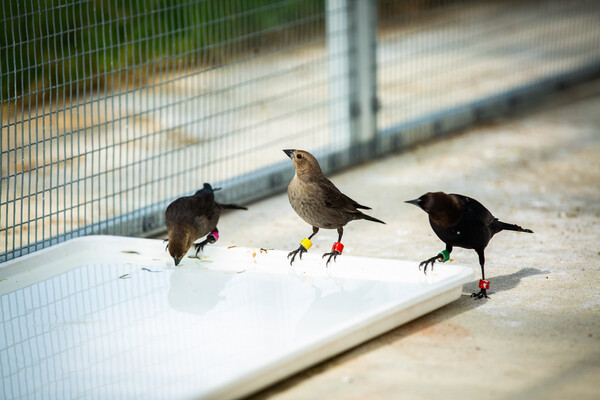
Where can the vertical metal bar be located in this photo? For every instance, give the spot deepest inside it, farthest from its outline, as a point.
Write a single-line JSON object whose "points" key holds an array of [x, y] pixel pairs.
{"points": [[351, 46], [62, 157], [338, 55], [364, 59]]}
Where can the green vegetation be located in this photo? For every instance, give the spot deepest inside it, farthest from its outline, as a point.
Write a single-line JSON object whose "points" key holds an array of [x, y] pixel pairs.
{"points": [[54, 48]]}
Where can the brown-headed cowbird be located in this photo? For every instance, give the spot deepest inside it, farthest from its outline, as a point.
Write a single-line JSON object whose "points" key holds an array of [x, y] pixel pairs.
{"points": [[464, 222], [191, 217], [318, 202]]}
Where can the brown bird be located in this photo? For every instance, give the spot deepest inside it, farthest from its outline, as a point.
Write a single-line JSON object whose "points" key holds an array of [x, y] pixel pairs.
{"points": [[318, 202], [464, 222], [191, 217]]}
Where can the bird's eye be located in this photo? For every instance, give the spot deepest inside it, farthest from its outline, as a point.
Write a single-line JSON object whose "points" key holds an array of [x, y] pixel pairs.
{"points": [[298, 156]]}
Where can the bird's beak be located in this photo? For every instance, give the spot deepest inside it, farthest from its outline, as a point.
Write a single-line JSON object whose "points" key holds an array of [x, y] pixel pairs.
{"points": [[415, 202], [290, 153], [177, 260], [215, 189]]}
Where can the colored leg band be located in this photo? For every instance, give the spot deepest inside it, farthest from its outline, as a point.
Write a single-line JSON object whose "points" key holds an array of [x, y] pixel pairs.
{"points": [[445, 255], [306, 243], [484, 284], [337, 246], [215, 234]]}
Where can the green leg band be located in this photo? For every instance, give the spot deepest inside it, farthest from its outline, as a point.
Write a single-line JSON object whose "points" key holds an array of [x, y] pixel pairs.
{"points": [[444, 255]]}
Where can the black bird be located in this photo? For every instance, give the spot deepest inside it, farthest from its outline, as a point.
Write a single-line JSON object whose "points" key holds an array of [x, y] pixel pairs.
{"points": [[318, 202], [191, 217], [464, 222]]}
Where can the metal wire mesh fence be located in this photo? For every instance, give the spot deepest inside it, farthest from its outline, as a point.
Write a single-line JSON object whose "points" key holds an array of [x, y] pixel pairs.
{"points": [[110, 108]]}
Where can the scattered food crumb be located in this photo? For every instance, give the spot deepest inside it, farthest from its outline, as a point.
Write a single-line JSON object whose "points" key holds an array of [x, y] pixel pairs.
{"points": [[239, 272], [590, 335], [231, 247], [149, 270], [130, 252], [125, 276]]}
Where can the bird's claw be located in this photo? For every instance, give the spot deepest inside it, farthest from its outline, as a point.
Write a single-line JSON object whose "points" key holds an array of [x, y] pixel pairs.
{"points": [[482, 293], [425, 263], [293, 254], [333, 254], [200, 246]]}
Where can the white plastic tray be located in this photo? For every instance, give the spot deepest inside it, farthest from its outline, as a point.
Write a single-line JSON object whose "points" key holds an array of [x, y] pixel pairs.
{"points": [[111, 317]]}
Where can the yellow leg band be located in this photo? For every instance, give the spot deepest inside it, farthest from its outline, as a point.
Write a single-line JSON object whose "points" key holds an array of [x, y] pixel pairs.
{"points": [[306, 243]]}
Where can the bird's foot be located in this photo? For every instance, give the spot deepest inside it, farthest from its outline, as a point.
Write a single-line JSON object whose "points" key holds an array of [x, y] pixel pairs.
{"points": [[442, 256], [336, 250], [333, 253], [294, 253], [209, 239], [482, 293], [200, 246], [425, 263]]}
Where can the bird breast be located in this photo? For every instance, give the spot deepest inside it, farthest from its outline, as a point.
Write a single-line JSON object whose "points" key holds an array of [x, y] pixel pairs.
{"points": [[306, 198]]}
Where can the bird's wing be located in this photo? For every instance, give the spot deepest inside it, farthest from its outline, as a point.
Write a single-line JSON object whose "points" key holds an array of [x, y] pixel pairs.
{"points": [[184, 210], [333, 198], [476, 210]]}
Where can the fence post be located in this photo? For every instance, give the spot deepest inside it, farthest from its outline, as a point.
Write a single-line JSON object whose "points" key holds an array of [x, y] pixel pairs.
{"points": [[352, 51], [338, 56], [364, 60]]}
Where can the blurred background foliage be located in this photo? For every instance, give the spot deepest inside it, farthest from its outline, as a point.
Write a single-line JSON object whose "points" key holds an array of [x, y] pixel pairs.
{"points": [[54, 48]]}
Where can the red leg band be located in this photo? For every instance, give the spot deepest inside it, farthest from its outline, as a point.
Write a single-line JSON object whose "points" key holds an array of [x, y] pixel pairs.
{"points": [[484, 284], [337, 246]]}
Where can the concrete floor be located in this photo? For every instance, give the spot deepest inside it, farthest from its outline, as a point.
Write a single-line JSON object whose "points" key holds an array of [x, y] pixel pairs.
{"points": [[538, 336]]}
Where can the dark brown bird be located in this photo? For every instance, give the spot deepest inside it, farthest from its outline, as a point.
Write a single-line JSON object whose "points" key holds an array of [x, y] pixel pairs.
{"points": [[191, 217], [463, 222], [318, 202]]}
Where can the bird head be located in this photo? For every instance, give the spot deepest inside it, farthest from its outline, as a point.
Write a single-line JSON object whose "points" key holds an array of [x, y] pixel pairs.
{"points": [[179, 244], [425, 202], [206, 190], [432, 202], [304, 162]]}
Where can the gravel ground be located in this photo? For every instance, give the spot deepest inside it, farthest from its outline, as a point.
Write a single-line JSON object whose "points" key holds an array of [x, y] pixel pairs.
{"points": [[538, 336]]}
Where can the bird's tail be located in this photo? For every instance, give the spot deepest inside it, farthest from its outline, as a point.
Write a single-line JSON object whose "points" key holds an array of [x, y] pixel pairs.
{"points": [[232, 207], [369, 218], [503, 226]]}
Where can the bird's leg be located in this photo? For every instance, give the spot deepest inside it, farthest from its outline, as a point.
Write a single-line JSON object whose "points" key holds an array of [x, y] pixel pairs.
{"points": [[337, 248], [483, 283], [167, 242], [211, 238], [305, 244], [442, 256]]}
